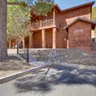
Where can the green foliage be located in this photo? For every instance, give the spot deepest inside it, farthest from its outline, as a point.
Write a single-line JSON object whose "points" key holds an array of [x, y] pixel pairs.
{"points": [[12, 0], [16, 21], [18, 16], [94, 14], [42, 7], [95, 30], [46, 1], [23, 2]]}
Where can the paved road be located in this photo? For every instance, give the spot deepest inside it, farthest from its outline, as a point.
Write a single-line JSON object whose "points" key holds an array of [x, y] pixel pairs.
{"points": [[59, 81]]}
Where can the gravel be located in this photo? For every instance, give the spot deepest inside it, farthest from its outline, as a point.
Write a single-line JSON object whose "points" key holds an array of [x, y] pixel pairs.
{"points": [[13, 65]]}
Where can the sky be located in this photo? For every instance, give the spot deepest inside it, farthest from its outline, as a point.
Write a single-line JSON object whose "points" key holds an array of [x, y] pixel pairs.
{"points": [[64, 4]]}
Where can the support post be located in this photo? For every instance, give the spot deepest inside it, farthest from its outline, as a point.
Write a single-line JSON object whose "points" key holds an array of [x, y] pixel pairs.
{"points": [[30, 39], [43, 39], [67, 41], [17, 47], [54, 38], [27, 55]]}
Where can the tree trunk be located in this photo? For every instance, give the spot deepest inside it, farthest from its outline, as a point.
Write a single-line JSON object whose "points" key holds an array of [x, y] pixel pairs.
{"points": [[23, 42], [3, 20]]}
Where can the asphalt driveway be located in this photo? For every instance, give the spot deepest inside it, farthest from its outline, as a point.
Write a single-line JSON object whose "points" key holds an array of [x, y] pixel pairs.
{"points": [[60, 80]]}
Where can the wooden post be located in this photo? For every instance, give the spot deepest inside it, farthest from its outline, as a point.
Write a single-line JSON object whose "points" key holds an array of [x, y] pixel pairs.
{"points": [[27, 55], [54, 16], [30, 39], [40, 23], [67, 41], [43, 39], [54, 38], [17, 47], [9, 43]]}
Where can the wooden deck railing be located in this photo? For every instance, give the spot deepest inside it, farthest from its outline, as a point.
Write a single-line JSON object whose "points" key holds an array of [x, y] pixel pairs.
{"points": [[44, 23]]}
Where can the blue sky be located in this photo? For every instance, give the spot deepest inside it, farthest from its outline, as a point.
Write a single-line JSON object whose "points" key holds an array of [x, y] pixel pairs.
{"points": [[63, 4]]}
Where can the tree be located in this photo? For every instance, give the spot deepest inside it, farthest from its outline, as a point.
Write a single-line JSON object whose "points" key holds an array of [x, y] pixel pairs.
{"points": [[94, 15], [18, 18], [17, 22], [42, 7], [3, 16]]}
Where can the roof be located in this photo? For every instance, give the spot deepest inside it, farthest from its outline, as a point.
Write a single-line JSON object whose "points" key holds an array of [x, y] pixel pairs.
{"points": [[75, 7], [69, 9], [81, 19]]}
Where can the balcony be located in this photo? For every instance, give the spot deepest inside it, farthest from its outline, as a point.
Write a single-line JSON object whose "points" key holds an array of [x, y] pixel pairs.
{"points": [[45, 24]]}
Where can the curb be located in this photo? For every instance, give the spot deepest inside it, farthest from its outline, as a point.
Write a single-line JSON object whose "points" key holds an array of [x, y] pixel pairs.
{"points": [[14, 76]]}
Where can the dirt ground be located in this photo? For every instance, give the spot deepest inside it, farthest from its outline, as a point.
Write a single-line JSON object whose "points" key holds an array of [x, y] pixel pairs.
{"points": [[13, 65]]}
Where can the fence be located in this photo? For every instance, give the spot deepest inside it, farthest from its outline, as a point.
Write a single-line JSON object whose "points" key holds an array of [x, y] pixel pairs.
{"points": [[38, 55], [24, 52]]}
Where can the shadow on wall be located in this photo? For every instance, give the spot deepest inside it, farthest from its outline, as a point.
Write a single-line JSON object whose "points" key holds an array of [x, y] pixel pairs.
{"points": [[57, 75]]}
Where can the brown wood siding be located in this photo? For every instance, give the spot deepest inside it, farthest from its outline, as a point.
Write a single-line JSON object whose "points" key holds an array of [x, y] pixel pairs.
{"points": [[26, 42], [61, 39], [65, 18], [48, 36], [80, 35], [37, 40]]}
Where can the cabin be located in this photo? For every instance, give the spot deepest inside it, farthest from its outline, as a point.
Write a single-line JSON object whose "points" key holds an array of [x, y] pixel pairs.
{"points": [[68, 28]]}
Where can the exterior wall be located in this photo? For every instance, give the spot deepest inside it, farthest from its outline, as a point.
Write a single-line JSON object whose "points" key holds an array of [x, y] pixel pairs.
{"points": [[48, 36], [61, 39], [80, 35], [26, 42], [67, 17], [64, 18], [84, 12], [37, 40], [13, 43]]}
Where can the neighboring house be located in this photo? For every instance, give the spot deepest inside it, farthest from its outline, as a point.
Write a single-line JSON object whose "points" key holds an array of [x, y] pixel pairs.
{"points": [[69, 28]]}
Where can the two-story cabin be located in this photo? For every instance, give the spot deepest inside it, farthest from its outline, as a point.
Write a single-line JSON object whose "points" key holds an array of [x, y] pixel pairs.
{"points": [[69, 28]]}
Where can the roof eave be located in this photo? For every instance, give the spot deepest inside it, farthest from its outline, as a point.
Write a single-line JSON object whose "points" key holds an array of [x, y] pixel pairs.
{"points": [[81, 19], [72, 8]]}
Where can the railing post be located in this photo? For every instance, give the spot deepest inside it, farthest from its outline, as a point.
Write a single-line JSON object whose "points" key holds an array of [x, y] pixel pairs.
{"points": [[46, 24], [40, 23]]}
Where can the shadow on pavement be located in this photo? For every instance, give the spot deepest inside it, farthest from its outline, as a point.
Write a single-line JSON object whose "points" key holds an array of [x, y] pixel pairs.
{"points": [[57, 75]]}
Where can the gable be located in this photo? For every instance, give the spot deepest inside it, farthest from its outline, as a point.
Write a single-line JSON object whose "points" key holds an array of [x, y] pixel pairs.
{"points": [[86, 21]]}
